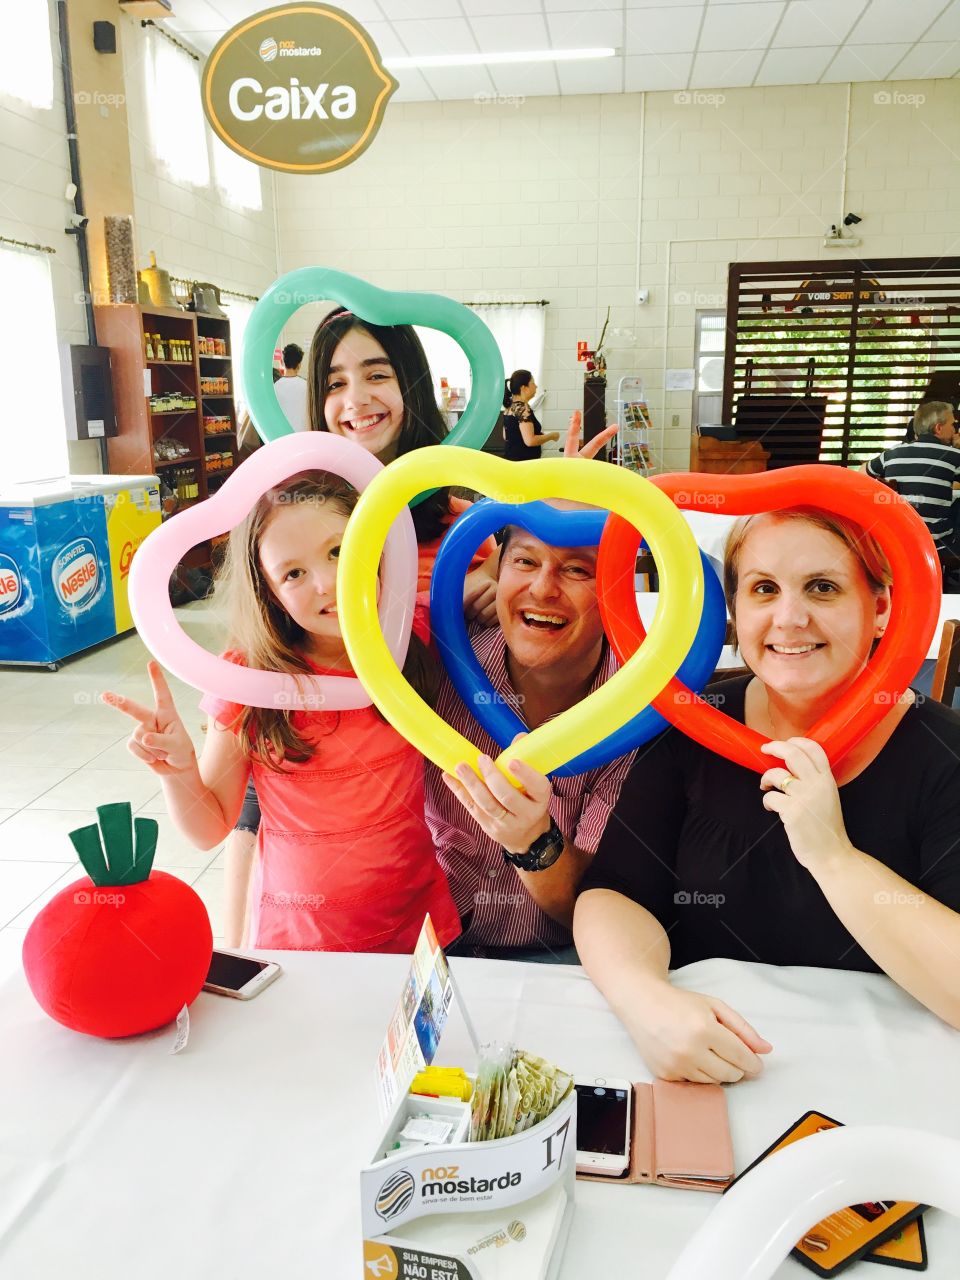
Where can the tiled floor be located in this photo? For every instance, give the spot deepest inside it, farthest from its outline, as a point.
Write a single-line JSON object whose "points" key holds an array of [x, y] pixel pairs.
{"points": [[61, 754]]}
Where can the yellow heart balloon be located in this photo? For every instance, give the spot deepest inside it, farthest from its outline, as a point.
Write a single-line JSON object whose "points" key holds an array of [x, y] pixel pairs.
{"points": [[606, 709]]}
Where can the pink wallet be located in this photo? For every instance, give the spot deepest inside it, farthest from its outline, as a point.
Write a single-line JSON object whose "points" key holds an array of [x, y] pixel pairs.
{"points": [[680, 1138]]}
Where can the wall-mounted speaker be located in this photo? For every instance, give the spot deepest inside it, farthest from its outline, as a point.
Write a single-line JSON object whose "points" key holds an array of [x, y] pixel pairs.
{"points": [[104, 37]]}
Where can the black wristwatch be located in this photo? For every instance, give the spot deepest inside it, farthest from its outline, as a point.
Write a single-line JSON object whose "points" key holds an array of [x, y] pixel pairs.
{"points": [[543, 853]]}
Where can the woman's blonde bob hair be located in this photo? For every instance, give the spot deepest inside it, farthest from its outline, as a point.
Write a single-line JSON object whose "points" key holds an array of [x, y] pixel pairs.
{"points": [[863, 547]]}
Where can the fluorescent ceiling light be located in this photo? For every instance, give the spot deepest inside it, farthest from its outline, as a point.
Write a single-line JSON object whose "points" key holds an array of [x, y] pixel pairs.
{"points": [[491, 59]]}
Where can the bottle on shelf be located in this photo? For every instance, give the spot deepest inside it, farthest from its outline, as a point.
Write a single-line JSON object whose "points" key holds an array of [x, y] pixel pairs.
{"points": [[149, 346], [159, 347]]}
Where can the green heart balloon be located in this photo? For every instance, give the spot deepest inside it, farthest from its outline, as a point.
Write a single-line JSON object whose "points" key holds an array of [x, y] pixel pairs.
{"points": [[379, 306]]}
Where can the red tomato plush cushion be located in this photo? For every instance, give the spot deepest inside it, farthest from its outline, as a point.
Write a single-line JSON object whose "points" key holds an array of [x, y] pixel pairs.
{"points": [[119, 959]]}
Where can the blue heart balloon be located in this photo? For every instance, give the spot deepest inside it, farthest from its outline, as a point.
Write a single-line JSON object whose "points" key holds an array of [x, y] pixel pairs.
{"points": [[558, 528]]}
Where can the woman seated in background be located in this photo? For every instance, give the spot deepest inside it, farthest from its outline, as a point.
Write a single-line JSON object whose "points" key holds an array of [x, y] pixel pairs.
{"points": [[701, 858], [521, 430]]}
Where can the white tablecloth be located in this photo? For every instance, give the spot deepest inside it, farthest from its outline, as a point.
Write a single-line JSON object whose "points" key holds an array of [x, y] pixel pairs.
{"points": [[237, 1159]]}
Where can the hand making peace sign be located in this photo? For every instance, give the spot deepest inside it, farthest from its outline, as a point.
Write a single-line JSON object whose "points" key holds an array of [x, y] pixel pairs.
{"points": [[572, 447], [160, 739]]}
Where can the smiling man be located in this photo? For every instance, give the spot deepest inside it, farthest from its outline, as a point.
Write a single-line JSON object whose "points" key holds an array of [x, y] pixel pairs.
{"points": [[514, 859]]}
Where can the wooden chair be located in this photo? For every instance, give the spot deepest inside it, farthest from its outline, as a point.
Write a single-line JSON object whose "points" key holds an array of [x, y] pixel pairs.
{"points": [[946, 675]]}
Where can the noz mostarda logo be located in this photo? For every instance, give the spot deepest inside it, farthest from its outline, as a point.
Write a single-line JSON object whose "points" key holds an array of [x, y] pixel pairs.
{"points": [[395, 1195]]}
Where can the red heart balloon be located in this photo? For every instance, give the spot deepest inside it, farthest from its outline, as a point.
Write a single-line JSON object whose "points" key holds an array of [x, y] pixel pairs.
{"points": [[900, 532]]}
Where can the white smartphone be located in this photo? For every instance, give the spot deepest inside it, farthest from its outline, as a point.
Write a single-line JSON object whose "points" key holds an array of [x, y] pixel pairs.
{"points": [[603, 1125], [242, 977]]}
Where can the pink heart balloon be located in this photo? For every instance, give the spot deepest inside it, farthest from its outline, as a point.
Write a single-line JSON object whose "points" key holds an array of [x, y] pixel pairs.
{"points": [[157, 558]]}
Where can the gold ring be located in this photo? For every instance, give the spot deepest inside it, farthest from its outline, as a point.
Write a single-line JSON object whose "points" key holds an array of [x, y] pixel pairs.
{"points": [[786, 782]]}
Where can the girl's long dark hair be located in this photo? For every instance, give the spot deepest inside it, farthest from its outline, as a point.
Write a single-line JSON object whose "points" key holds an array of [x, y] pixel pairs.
{"points": [[262, 630], [423, 423]]}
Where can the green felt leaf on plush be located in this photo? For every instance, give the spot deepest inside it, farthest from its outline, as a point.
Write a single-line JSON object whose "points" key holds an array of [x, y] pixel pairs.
{"points": [[86, 841], [121, 850], [116, 824]]}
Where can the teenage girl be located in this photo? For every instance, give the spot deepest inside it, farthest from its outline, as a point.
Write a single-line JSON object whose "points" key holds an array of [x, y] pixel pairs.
{"points": [[344, 859]]}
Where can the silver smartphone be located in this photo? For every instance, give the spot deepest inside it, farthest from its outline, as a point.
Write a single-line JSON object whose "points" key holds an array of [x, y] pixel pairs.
{"points": [[242, 977], [603, 1125]]}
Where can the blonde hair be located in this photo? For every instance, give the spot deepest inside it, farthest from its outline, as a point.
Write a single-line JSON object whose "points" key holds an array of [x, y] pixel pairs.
{"points": [[262, 630], [862, 545]]}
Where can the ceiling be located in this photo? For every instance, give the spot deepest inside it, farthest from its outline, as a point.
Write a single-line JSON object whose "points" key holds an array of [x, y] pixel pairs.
{"points": [[713, 44]]}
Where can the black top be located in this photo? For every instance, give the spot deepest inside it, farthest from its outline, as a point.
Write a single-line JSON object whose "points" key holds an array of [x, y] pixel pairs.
{"points": [[924, 471], [516, 450], [690, 840]]}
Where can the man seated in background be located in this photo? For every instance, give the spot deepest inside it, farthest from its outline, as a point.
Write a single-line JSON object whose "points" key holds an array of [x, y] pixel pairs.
{"points": [[926, 472]]}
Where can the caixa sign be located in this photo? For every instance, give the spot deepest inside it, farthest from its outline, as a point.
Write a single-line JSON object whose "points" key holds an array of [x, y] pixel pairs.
{"points": [[76, 573], [11, 584], [300, 88]]}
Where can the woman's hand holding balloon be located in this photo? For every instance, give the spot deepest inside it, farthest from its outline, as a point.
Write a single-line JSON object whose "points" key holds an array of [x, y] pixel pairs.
{"points": [[804, 794]]}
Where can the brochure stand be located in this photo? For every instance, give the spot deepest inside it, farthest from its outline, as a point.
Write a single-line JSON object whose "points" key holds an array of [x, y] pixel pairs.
{"points": [[634, 439], [457, 1210]]}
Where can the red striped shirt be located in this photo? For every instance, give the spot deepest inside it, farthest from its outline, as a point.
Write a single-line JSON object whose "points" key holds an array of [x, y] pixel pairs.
{"points": [[485, 888]]}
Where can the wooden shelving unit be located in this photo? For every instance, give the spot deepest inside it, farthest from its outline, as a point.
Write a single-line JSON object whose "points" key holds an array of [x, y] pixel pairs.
{"points": [[218, 403], [123, 328]]}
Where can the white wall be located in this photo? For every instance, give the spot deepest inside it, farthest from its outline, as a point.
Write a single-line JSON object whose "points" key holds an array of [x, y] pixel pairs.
{"points": [[574, 199], [35, 168], [194, 234], [558, 198]]}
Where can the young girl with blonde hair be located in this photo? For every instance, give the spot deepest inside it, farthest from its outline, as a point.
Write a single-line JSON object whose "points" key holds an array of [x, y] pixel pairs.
{"points": [[344, 859]]}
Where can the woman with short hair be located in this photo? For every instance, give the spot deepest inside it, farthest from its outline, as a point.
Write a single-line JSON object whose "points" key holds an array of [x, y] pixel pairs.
{"points": [[701, 858]]}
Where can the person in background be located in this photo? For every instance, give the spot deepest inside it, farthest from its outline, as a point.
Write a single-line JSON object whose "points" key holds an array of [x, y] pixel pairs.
{"points": [[853, 868], [926, 472], [521, 430], [292, 389]]}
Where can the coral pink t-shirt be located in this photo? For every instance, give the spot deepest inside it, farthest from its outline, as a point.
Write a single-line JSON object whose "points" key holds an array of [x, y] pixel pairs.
{"points": [[345, 861]]}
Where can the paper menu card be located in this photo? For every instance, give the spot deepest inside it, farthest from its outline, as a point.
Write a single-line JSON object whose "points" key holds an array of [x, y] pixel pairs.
{"points": [[416, 1026]]}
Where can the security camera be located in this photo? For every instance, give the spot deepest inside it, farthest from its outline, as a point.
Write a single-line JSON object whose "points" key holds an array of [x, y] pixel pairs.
{"points": [[851, 220], [78, 220]]}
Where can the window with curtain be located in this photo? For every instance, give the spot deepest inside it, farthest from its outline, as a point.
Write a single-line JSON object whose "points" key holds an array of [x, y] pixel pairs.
{"points": [[519, 332], [178, 129], [239, 311], [26, 54], [35, 434], [237, 180]]}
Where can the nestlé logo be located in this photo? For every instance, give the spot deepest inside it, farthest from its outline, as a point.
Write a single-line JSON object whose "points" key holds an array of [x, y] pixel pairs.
{"points": [[11, 584], [75, 573]]}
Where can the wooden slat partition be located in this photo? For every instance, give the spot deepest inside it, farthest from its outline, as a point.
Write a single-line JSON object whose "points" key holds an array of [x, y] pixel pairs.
{"points": [[883, 335]]}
